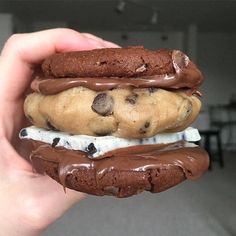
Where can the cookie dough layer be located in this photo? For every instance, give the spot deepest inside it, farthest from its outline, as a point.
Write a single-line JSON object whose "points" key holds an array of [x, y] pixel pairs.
{"points": [[125, 113]]}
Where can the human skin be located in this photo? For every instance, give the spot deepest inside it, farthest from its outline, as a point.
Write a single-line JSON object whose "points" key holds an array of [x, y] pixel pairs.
{"points": [[30, 202]]}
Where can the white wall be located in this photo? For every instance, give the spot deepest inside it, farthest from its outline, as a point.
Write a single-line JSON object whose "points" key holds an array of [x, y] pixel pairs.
{"points": [[6, 28]]}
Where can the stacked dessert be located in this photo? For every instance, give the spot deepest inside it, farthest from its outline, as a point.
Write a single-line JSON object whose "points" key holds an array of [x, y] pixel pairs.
{"points": [[116, 121]]}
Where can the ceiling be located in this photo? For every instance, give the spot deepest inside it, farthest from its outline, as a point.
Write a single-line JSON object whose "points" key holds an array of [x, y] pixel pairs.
{"points": [[210, 16]]}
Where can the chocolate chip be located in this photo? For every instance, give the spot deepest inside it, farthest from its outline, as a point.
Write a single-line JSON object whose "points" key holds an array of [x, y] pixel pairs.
{"points": [[152, 90], [180, 60], [103, 104], [91, 149], [189, 111], [142, 68], [102, 133], [68, 144], [98, 63], [143, 130], [55, 142], [112, 190], [51, 127], [131, 98], [23, 133]]}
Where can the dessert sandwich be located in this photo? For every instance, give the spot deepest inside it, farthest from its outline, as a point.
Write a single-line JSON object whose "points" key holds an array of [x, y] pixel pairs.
{"points": [[116, 121]]}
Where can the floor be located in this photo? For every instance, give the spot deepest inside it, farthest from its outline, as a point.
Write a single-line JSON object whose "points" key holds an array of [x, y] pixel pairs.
{"points": [[206, 207]]}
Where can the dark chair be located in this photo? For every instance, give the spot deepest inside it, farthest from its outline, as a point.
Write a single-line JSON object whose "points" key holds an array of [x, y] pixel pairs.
{"points": [[207, 136]]}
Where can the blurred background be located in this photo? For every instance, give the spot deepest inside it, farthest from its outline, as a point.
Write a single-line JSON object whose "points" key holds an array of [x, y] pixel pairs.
{"points": [[206, 32]]}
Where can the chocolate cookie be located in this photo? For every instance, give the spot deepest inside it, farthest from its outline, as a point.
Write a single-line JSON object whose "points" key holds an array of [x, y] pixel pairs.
{"points": [[118, 62], [123, 113], [124, 172]]}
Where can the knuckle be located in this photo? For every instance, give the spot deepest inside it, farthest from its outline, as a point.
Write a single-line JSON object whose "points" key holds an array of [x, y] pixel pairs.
{"points": [[13, 38], [12, 41]]}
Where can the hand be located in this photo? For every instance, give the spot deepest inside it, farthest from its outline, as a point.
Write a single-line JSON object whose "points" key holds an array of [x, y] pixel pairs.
{"points": [[29, 202]]}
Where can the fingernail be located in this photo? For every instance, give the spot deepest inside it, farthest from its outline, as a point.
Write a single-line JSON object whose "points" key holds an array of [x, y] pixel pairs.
{"points": [[95, 43], [91, 36], [110, 44]]}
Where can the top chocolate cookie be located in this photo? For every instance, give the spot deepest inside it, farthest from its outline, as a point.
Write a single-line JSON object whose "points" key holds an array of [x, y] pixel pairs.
{"points": [[110, 62]]}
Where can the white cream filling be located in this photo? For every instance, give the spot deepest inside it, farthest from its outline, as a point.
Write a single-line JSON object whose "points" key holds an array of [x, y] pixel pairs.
{"points": [[97, 146]]}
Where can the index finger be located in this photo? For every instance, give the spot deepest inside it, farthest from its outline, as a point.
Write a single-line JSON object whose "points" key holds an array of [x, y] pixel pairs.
{"points": [[22, 51]]}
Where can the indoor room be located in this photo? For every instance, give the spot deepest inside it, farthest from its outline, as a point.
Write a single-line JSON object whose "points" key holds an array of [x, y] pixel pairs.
{"points": [[203, 30]]}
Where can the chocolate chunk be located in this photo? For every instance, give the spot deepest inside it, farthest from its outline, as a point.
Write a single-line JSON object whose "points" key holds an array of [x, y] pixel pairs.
{"points": [[142, 68], [141, 141], [144, 129], [102, 133], [23, 133], [112, 190], [189, 111], [131, 98], [91, 149], [103, 104], [55, 142], [180, 60], [152, 90], [99, 63], [51, 127], [68, 144]]}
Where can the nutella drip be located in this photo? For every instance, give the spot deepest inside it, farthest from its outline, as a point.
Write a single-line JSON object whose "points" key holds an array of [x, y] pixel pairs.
{"points": [[193, 160]]}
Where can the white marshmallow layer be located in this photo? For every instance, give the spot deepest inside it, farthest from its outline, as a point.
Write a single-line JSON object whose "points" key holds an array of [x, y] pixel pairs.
{"points": [[105, 143]]}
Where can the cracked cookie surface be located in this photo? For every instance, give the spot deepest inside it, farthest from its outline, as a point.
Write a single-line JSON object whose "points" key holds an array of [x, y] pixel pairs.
{"points": [[128, 62]]}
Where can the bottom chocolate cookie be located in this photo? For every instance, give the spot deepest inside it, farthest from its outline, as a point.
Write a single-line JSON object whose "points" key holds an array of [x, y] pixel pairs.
{"points": [[123, 172]]}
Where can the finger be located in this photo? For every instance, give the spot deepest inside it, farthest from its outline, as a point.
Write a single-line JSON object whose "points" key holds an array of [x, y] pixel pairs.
{"points": [[91, 36], [34, 47], [54, 201], [22, 51], [104, 42], [40, 200], [10, 160]]}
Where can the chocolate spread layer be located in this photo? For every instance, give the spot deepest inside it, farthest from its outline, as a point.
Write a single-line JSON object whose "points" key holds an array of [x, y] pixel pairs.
{"points": [[193, 161], [54, 86]]}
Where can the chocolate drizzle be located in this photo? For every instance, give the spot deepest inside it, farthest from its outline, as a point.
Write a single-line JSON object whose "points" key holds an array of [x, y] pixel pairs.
{"points": [[191, 159]]}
